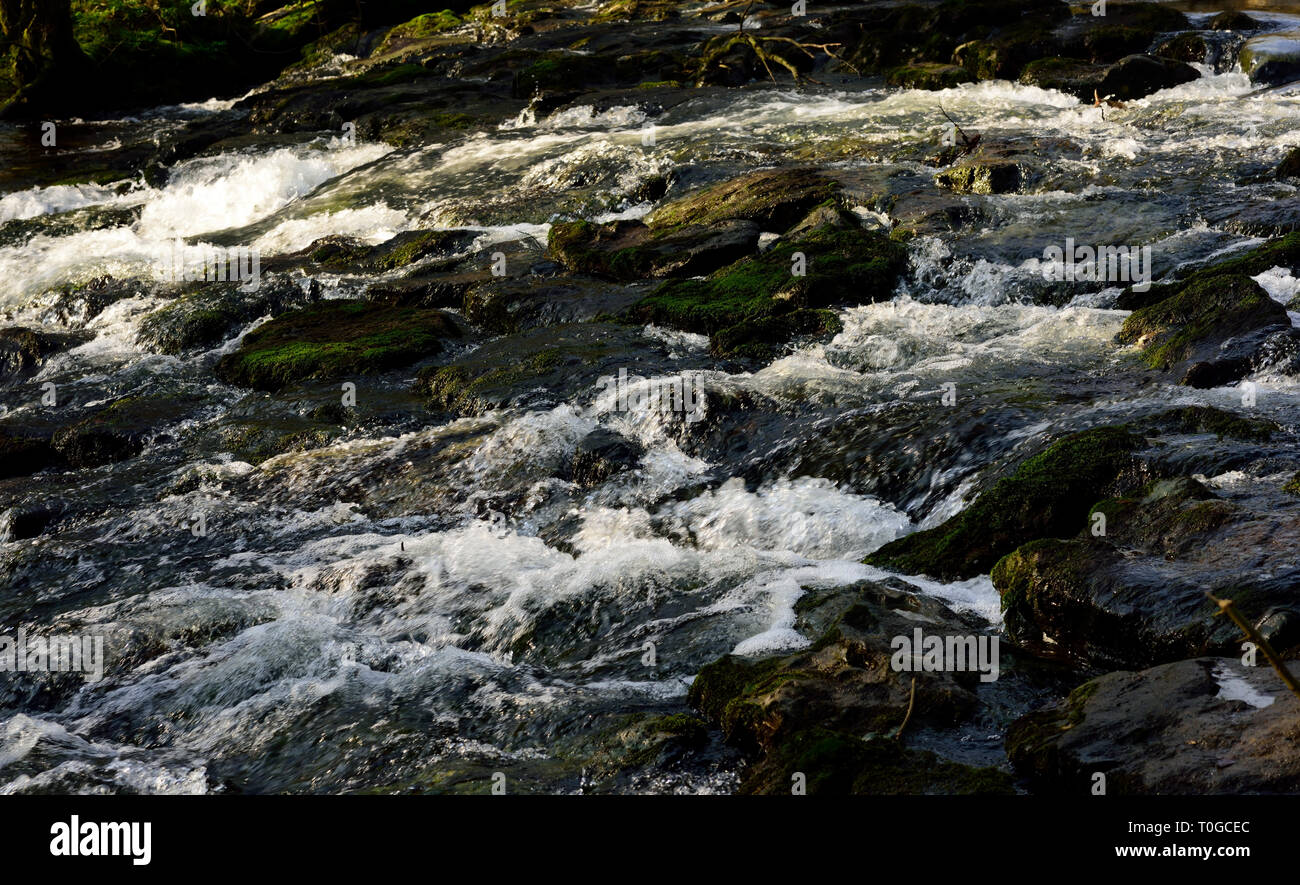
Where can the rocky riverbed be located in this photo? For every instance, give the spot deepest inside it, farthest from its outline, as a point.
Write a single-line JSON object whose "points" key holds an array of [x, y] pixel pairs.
{"points": [[592, 396]]}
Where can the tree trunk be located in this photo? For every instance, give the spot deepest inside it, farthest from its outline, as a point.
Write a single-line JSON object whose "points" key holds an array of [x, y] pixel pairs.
{"points": [[47, 61]]}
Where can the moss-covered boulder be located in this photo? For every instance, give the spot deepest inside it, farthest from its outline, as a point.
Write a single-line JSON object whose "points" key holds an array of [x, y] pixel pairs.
{"points": [[1167, 730], [207, 314], [540, 367], [809, 712], [336, 339], [1130, 590], [1049, 495], [1184, 332], [630, 250], [752, 306], [929, 75], [773, 199]]}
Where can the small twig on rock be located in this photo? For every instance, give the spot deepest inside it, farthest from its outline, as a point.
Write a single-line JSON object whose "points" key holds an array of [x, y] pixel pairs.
{"points": [[1227, 608], [911, 702], [968, 143]]}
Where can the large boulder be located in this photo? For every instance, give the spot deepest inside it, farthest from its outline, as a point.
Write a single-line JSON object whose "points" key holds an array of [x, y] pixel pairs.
{"points": [[1131, 591], [336, 339], [1272, 59], [1048, 495], [1194, 727]]}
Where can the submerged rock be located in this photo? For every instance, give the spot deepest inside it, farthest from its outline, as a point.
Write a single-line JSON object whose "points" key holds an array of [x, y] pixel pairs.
{"points": [[601, 454], [541, 367], [516, 305], [117, 432], [24, 350]]}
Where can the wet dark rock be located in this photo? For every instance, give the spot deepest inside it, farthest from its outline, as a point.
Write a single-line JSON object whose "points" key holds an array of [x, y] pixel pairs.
{"points": [[808, 711], [1208, 419], [30, 520], [773, 199], [601, 454], [1193, 324], [1073, 76], [1135, 595], [402, 104], [1048, 495], [24, 350], [515, 305], [336, 339], [1125, 29], [1132, 77], [1275, 347], [1188, 47], [343, 255], [1290, 165], [1140, 75], [540, 367], [929, 75], [117, 432], [1167, 730], [630, 250], [256, 440], [990, 38], [210, 313], [753, 306], [1233, 20], [993, 168], [1272, 59], [25, 453], [1271, 219], [446, 282]]}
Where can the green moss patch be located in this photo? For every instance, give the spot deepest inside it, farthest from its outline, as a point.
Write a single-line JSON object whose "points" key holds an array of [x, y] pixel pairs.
{"points": [[335, 339], [758, 302], [1049, 495]]}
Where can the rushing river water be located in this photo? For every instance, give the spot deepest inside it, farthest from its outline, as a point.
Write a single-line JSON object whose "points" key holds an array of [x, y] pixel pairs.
{"points": [[416, 604]]}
